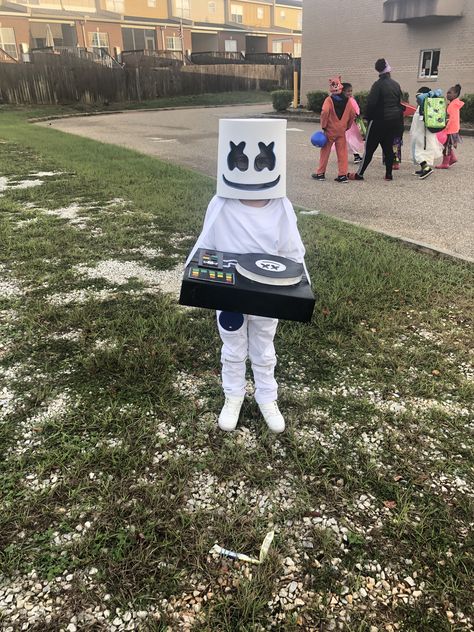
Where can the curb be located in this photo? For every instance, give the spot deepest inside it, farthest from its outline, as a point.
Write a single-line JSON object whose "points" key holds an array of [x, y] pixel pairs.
{"points": [[55, 117], [305, 117], [419, 246]]}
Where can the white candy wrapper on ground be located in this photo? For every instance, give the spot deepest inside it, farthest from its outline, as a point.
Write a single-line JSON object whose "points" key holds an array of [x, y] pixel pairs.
{"points": [[245, 558]]}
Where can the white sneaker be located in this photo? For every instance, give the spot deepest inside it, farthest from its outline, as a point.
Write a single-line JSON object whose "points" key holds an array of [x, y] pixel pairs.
{"points": [[272, 416], [230, 413]]}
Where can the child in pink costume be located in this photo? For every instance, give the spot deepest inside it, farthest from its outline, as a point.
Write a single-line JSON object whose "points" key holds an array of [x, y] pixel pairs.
{"points": [[452, 128], [353, 136], [337, 116]]}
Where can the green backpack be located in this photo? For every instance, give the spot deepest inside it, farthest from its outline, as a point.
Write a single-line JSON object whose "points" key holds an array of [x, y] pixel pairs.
{"points": [[434, 113]]}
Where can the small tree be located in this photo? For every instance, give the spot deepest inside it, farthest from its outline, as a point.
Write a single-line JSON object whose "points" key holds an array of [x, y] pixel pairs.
{"points": [[316, 100], [281, 99], [467, 112]]}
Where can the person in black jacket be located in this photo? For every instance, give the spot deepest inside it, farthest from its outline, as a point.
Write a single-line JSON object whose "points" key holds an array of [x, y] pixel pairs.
{"points": [[384, 111]]}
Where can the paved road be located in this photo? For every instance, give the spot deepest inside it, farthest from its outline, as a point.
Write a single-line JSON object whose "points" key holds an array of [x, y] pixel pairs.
{"points": [[437, 211]]}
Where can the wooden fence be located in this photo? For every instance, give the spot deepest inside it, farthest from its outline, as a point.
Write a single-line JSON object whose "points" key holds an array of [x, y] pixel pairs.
{"points": [[59, 80]]}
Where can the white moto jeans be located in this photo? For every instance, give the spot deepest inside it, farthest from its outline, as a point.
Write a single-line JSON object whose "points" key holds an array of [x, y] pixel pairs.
{"points": [[248, 336]]}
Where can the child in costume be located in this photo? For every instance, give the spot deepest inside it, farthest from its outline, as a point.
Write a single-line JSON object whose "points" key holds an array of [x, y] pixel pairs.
{"points": [[452, 128], [337, 116], [250, 214], [426, 148], [354, 137]]}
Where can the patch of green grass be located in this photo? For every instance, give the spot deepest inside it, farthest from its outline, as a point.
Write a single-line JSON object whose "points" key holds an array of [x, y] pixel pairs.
{"points": [[375, 390]]}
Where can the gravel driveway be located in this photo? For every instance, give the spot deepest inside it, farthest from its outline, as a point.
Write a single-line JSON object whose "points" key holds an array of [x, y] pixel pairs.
{"points": [[436, 211]]}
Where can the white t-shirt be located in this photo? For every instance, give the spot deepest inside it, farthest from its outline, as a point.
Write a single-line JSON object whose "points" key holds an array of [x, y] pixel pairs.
{"points": [[240, 228]]}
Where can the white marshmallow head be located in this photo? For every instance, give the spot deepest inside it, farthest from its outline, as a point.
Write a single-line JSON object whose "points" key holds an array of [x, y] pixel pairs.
{"points": [[251, 159]]}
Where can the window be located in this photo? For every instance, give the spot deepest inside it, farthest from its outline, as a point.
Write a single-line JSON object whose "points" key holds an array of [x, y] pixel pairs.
{"points": [[8, 43], [138, 39], [44, 34], [236, 13], [99, 40], [173, 43], [260, 13], [277, 46], [150, 40], [115, 5], [151, 3], [182, 9], [297, 49], [429, 62], [211, 7], [300, 21], [230, 46], [283, 14]]}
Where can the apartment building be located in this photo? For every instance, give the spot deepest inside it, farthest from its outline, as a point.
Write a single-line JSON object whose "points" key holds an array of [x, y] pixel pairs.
{"points": [[114, 26], [427, 42]]}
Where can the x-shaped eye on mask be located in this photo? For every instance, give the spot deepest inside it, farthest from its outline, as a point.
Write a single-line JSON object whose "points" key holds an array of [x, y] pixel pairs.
{"points": [[237, 158], [266, 158]]}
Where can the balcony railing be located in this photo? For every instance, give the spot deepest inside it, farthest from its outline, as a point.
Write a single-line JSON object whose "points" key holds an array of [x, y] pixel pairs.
{"points": [[156, 58], [279, 59], [5, 57], [412, 10], [95, 55], [216, 57]]}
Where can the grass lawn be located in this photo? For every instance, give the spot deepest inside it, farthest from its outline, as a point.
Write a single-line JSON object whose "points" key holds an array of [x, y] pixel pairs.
{"points": [[115, 482]]}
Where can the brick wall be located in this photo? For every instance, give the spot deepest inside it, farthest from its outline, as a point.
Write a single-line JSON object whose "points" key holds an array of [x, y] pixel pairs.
{"points": [[21, 29], [347, 37]]}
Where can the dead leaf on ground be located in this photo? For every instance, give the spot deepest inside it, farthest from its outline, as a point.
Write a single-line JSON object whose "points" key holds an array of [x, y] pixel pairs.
{"points": [[390, 504]]}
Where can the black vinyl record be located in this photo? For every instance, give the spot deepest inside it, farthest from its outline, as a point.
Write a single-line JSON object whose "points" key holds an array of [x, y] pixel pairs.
{"points": [[269, 269]]}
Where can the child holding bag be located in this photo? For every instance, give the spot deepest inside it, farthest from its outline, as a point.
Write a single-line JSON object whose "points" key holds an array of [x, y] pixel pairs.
{"points": [[452, 128]]}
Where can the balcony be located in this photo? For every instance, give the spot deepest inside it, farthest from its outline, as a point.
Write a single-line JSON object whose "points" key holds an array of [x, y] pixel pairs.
{"points": [[407, 11]]}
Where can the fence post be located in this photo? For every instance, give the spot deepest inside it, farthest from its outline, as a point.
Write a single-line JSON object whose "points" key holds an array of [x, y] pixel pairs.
{"points": [[137, 82]]}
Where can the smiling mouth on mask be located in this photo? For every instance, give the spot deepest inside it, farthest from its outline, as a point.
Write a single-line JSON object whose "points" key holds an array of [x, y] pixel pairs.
{"points": [[251, 187]]}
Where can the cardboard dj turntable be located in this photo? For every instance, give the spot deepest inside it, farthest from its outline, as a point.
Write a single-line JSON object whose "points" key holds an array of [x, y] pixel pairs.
{"points": [[253, 283]]}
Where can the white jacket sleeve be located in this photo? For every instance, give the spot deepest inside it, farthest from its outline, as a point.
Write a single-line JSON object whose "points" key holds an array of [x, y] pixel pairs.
{"points": [[205, 239], [292, 246]]}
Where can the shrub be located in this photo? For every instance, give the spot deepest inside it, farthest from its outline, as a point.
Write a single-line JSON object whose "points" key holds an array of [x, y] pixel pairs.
{"points": [[281, 99], [467, 112], [361, 98], [315, 100]]}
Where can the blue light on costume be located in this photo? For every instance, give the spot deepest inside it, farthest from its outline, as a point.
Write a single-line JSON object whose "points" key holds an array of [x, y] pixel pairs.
{"points": [[230, 321]]}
